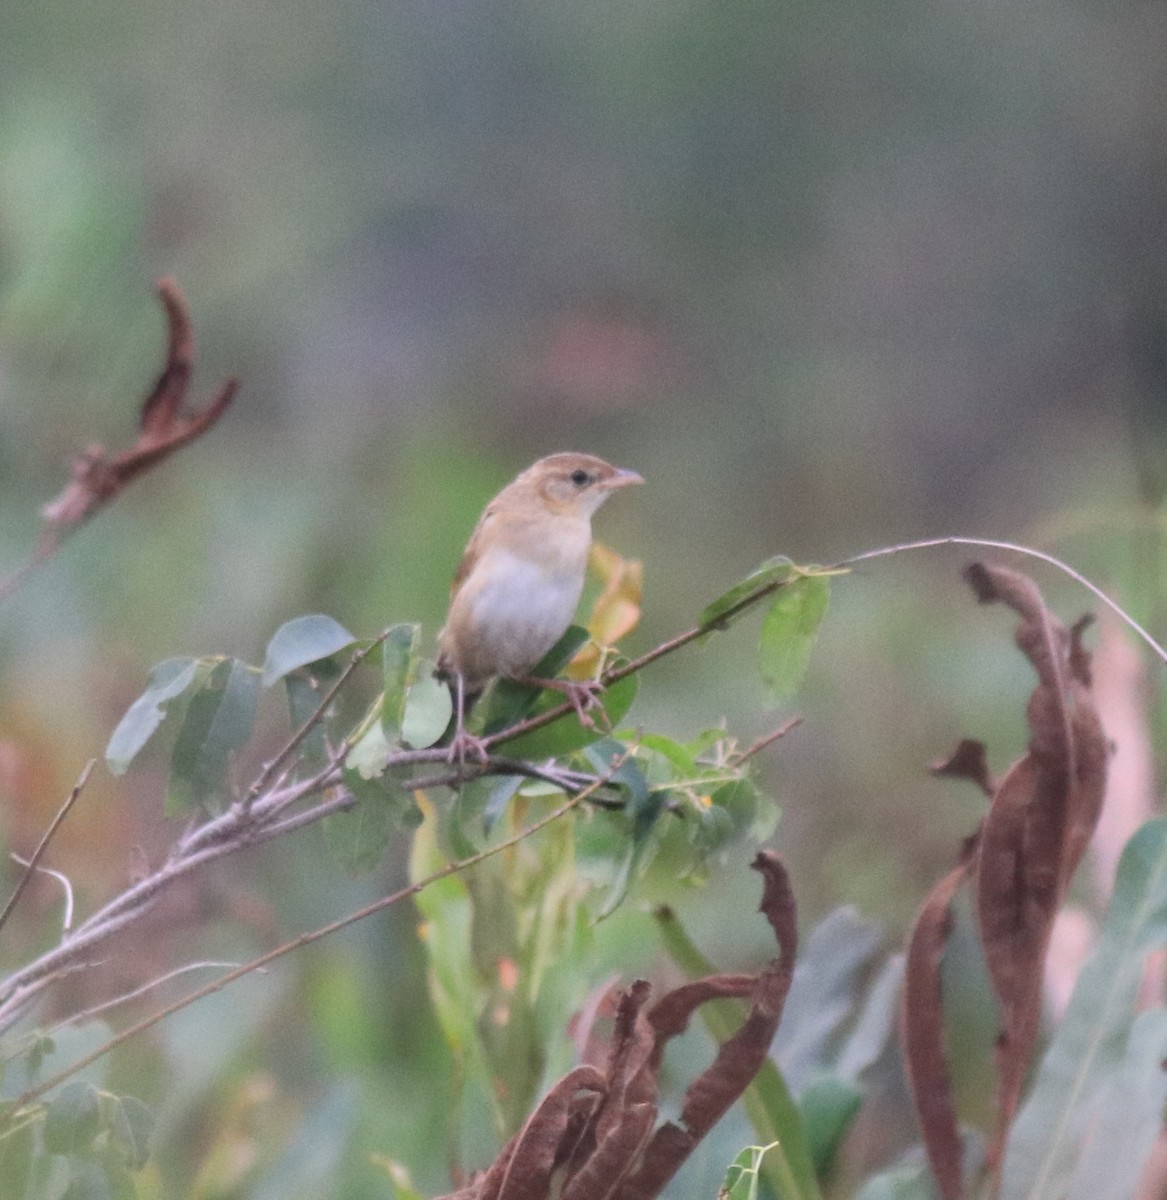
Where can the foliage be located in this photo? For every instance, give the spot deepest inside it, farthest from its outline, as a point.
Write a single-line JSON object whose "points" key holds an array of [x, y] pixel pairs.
{"points": [[520, 866]]}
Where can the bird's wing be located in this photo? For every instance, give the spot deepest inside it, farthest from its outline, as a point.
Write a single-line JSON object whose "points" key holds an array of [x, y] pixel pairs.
{"points": [[472, 552]]}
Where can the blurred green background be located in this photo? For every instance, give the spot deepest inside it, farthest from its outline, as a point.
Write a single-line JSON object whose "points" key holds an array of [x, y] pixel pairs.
{"points": [[828, 276]]}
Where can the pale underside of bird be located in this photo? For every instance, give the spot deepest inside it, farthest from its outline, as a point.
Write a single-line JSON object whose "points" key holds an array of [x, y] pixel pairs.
{"points": [[520, 580]]}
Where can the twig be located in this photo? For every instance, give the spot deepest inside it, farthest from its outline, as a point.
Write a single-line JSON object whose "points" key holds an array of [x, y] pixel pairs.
{"points": [[638, 664], [89, 1013], [1028, 552], [62, 879], [239, 828], [47, 837], [265, 776], [766, 740], [314, 935], [228, 833]]}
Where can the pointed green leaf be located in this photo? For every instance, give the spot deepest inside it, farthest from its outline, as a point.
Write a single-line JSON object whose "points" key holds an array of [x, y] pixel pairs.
{"points": [[789, 632], [359, 837], [167, 680], [1128, 1116], [903, 1183], [302, 641], [131, 1126], [645, 808], [828, 1105], [678, 756], [741, 1179], [500, 796], [73, 1119], [304, 696], [772, 571], [399, 662], [1089, 1043], [91, 1179], [218, 722]]}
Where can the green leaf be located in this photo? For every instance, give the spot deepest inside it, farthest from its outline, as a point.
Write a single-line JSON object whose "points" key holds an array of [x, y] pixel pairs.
{"points": [[1128, 1115], [167, 680], [645, 808], [16, 1154], [773, 571], [218, 722], [302, 641], [828, 1105], [684, 763], [73, 1119], [399, 662], [501, 794], [1090, 1043], [566, 735], [131, 1125], [833, 961], [359, 837], [370, 756], [789, 632], [877, 1021], [428, 709], [741, 1179], [90, 1179], [304, 696], [903, 1183]]}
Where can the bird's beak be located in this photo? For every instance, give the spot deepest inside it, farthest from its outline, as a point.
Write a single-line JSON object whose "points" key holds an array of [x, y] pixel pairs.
{"points": [[621, 478]]}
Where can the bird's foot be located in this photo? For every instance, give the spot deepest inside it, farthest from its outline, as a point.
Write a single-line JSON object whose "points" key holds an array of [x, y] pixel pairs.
{"points": [[582, 694], [465, 743]]}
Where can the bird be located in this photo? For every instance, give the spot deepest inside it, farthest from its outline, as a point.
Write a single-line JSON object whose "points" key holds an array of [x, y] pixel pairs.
{"points": [[517, 587]]}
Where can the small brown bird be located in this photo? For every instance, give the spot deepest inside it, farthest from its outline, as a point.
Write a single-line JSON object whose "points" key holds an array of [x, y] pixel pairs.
{"points": [[517, 587]]}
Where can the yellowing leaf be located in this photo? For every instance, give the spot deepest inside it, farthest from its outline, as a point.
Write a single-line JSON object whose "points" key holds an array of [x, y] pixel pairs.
{"points": [[616, 611]]}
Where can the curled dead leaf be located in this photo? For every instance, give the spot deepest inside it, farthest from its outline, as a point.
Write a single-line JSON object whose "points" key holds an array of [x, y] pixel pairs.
{"points": [[595, 1134], [1041, 817]]}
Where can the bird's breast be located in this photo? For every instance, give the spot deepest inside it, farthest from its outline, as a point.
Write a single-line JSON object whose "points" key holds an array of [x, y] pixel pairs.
{"points": [[510, 611]]}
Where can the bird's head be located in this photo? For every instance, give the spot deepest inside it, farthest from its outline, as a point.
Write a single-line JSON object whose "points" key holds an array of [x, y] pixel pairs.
{"points": [[575, 484]]}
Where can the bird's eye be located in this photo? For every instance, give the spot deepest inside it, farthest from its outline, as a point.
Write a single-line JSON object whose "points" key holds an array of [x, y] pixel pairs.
{"points": [[579, 477]]}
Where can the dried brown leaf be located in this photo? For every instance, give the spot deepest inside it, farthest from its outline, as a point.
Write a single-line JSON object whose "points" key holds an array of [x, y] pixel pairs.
{"points": [[1039, 824], [531, 1155], [922, 1031], [163, 428], [968, 761], [592, 1137], [740, 1057]]}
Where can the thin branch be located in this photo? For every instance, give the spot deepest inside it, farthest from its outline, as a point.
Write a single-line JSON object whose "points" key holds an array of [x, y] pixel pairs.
{"points": [[264, 818], [638, 664], [269, 771], [89, 1013], [47, 837], [766, 740], [1028, 552], [315, 935]]}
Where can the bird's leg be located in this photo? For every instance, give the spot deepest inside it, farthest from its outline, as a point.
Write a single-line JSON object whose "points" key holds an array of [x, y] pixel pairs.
{"points": [[582, 694], [463, 740]]}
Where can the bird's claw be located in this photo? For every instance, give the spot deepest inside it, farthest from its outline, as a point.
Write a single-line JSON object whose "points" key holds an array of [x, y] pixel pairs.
{"points": [[583, 698], [582, 694], [463, 743]]}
